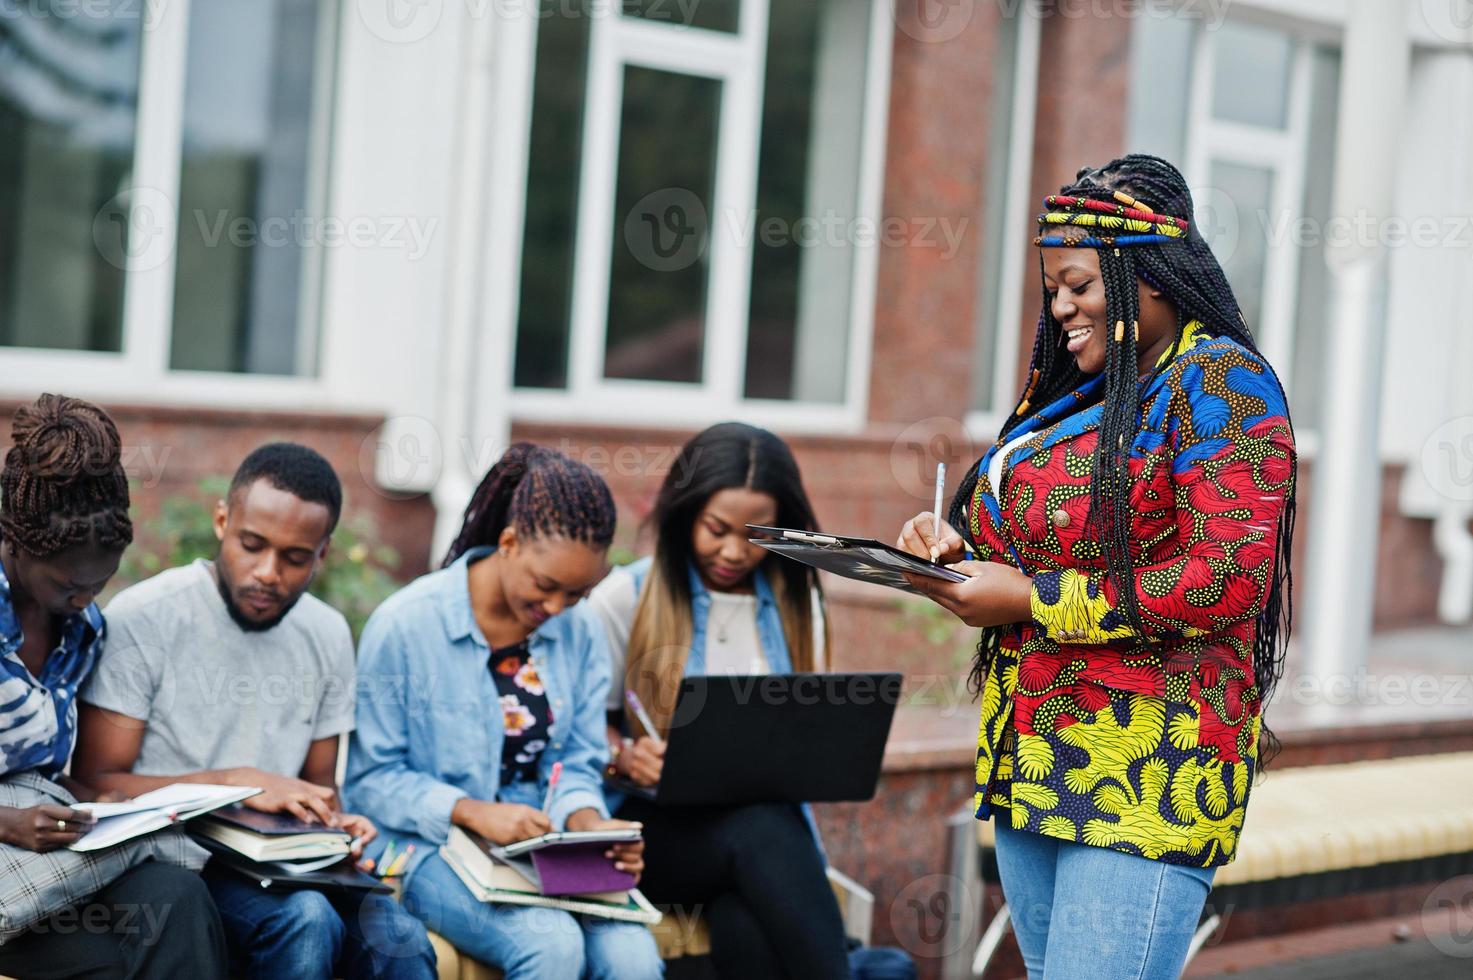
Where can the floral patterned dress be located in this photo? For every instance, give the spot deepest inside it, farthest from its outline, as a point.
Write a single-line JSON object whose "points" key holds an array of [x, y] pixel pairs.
{"points": [[1143, 742], [525, 712]]}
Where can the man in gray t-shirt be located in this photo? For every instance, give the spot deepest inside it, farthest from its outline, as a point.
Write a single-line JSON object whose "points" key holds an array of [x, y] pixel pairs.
{"points": [[213, 696], [227, 671]]}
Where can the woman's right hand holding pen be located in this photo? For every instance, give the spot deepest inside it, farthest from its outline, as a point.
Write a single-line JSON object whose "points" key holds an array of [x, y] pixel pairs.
{"points": [[924, 532], [500, 823], [642, 761]]}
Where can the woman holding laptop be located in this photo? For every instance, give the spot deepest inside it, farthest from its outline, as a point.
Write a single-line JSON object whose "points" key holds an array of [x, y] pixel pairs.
{"points": [[1131, 532], [709, 602]]}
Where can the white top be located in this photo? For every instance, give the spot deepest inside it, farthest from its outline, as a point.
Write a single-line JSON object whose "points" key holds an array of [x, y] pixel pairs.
{"points": [[732, 615], [999, 460]]}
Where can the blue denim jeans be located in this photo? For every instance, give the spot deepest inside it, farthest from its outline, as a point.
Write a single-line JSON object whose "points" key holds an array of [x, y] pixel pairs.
{"points": [[1084, 913], [311, 935], [529, 943]]}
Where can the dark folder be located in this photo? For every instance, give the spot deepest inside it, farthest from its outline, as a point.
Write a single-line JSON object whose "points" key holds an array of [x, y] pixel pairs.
{"points": [[340, 877]]}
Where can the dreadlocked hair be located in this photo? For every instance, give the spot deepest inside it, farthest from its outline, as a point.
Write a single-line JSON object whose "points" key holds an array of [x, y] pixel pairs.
{"points": [[541, 493], [1170, 255], [63, 483]]}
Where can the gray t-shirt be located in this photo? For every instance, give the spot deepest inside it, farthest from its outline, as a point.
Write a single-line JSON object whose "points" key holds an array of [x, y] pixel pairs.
{"points": [[215, 696]]}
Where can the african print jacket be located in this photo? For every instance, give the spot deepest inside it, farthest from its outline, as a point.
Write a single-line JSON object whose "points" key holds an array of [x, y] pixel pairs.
{"points": [[1144, 742]]}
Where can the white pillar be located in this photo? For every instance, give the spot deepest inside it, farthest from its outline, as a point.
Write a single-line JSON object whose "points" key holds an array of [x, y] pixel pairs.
{"points": [[1344, 514]]}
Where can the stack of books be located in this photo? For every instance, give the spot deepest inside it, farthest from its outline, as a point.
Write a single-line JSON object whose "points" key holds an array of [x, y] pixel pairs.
{"points": [[272, 836], [562, 870], [278, 851]]}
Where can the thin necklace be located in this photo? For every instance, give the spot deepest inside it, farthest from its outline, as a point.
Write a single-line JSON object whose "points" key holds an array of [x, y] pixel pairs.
{"points": [[737, 607]]}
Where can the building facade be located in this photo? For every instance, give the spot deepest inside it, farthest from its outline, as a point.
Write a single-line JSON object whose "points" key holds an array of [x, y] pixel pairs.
{"points": [[410, 233]]}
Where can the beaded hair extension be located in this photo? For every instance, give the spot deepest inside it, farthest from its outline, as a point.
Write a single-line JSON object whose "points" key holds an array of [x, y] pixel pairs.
{"points": [[1169, 255]]}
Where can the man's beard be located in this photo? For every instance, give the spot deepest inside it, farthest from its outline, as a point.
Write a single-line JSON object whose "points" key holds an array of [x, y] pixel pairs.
{"points": [[249, 625]]}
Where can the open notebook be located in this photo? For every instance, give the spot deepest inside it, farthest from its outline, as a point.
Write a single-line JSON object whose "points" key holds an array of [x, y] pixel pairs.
{"points": [[491, 877], [155, 810]]}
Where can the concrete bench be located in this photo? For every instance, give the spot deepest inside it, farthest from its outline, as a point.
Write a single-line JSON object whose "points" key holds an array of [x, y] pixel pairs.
{"points": [[1318, 832]]}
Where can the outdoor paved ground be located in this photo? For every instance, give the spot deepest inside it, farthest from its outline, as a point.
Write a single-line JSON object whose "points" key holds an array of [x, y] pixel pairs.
{"points": [[1404, 961]]}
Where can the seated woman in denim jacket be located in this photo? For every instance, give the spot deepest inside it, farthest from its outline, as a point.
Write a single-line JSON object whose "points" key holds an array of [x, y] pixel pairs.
{"points": [[711, 602], [473, 681]]}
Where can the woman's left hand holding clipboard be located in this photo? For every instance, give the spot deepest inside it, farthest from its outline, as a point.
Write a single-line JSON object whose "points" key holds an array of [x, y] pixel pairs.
{"points": [[993, 594]]}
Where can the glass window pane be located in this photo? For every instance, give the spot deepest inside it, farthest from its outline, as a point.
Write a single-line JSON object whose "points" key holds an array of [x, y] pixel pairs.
{"points": [[245, 231], [550, 224], [1160, 63], [68, 97], [1239, 238], [807, 200], [712, 15], [1250, 82], [1311, 320], [997, 239], [667, 167]]}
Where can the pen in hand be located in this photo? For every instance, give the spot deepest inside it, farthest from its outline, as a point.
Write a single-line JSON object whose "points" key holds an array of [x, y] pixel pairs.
{"points": [[557, 770], [637, 707], [936, 511]]}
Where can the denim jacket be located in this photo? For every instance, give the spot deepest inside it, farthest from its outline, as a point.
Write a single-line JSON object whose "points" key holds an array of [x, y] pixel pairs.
{"points": [[430, 729]]}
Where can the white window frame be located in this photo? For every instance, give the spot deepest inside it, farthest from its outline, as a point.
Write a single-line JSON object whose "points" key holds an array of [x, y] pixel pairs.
{"points": [[140, 372], [983, 425], [738, 60], [1279, 151]]}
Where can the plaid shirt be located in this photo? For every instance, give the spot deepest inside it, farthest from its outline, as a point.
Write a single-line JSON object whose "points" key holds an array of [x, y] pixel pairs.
{"points": [[33, 885], [38, 716]]}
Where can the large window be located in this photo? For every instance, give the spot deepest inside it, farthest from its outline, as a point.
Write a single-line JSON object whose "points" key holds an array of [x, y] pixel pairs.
{"points": [[181, 231], [247, 238], [1005, 262], [68, 98], [699, 202], [1260, 104]]}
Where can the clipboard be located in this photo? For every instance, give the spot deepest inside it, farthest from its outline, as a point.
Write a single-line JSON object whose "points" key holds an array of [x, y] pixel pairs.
{"points": [[862, 559]]}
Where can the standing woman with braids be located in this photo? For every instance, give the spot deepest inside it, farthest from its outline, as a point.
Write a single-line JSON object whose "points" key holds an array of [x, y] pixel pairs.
{"points": [[63, 528], [474, 681], [1131, 532]]}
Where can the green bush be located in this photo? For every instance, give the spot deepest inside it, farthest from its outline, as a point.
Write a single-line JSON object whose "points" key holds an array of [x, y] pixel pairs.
{"points": [[353, 578]]}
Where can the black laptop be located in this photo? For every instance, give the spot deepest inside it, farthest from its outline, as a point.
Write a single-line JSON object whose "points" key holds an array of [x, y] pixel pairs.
{"points": [[775, 738]]}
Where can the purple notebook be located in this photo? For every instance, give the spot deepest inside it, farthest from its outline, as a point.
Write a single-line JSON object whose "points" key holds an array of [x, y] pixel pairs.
{"points": [[578, 869]]}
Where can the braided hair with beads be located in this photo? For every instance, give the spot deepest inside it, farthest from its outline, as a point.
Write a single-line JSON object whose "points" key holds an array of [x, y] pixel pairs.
{"points": [[63, 484], [541, 493], [1157, 245]]}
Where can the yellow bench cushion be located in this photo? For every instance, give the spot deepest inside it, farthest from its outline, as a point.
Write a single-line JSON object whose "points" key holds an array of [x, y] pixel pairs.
{"points": [[1312, 819]]}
